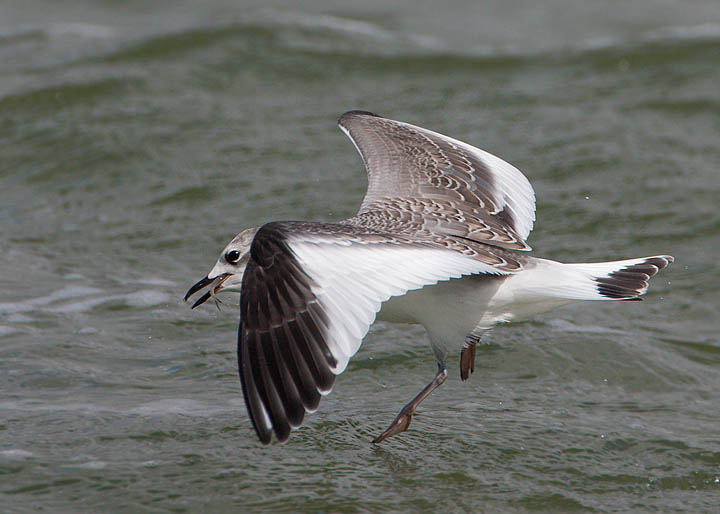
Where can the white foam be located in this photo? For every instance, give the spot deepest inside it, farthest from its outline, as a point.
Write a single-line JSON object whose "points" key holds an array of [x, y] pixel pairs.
{"points": [[18, 318], [16, 454], [702, 31], [74, 276], [326, 21], [93, 297], [182, 406], [93, 464], [154, 282], [6, 331], [163, 407], [146, 298], [31, 304], [84, 30], [567, 326], [669, 33]]}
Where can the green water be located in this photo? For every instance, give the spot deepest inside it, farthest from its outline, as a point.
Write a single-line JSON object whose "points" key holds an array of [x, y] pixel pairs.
{"points": [[136, 140]]}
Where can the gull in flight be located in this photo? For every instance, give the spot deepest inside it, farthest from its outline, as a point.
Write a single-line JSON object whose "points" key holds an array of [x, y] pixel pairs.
{"points": [[438, 241]]}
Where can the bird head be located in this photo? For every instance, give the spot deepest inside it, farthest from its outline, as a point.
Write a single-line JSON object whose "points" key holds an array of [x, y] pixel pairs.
{"points": [[227, 274]]}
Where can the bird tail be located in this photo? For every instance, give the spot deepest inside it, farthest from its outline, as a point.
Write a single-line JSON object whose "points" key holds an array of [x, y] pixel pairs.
{"points": [[617, 280]]}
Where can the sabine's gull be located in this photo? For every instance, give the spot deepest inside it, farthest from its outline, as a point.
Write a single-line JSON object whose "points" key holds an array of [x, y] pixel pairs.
{"points": [[438, 241]]}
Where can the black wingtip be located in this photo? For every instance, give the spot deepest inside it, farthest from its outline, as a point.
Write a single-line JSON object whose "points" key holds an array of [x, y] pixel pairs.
{"points": [[265, 438]]}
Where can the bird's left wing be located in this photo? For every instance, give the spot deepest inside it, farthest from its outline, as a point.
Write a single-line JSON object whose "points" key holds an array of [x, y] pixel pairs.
{"points": [[422, 182], [309, 295]]}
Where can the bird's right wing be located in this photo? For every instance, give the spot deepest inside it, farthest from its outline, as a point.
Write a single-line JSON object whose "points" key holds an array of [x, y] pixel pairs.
{"points": [[309, 295]]}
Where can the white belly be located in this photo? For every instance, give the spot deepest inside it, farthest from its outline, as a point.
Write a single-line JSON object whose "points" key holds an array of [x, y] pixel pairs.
{"points": [[449, 311], [452, 310]]}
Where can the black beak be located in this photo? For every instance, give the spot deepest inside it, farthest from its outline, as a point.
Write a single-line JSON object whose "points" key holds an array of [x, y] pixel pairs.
{"points": [[194, 289], [204, 298], [214, 284]]}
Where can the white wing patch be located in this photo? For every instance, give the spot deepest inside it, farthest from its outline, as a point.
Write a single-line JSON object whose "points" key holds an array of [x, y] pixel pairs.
{"points": [[353, 279], [514, 192]]}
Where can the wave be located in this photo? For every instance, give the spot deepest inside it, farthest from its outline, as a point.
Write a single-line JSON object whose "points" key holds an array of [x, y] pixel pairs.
{"points": [[333, 35], [53, 30], [74, 299], [263, 40]]}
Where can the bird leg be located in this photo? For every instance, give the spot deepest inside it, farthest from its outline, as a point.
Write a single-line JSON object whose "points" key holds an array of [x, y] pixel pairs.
{"points": [[402, 421], [467, 359]]}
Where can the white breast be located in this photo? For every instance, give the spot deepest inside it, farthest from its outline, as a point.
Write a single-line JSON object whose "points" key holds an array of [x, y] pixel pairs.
{"points": [[449, 310]]}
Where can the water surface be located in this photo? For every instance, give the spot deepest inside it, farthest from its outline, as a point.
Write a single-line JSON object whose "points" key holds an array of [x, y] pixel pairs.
{"points": [[136, 140]]}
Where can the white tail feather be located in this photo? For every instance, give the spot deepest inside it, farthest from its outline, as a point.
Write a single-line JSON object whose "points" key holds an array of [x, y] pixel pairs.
{"points": [[617, 280]]}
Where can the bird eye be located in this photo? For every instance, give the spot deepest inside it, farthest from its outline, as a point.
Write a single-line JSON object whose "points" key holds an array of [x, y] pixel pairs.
{"points": [[232, 256]]}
